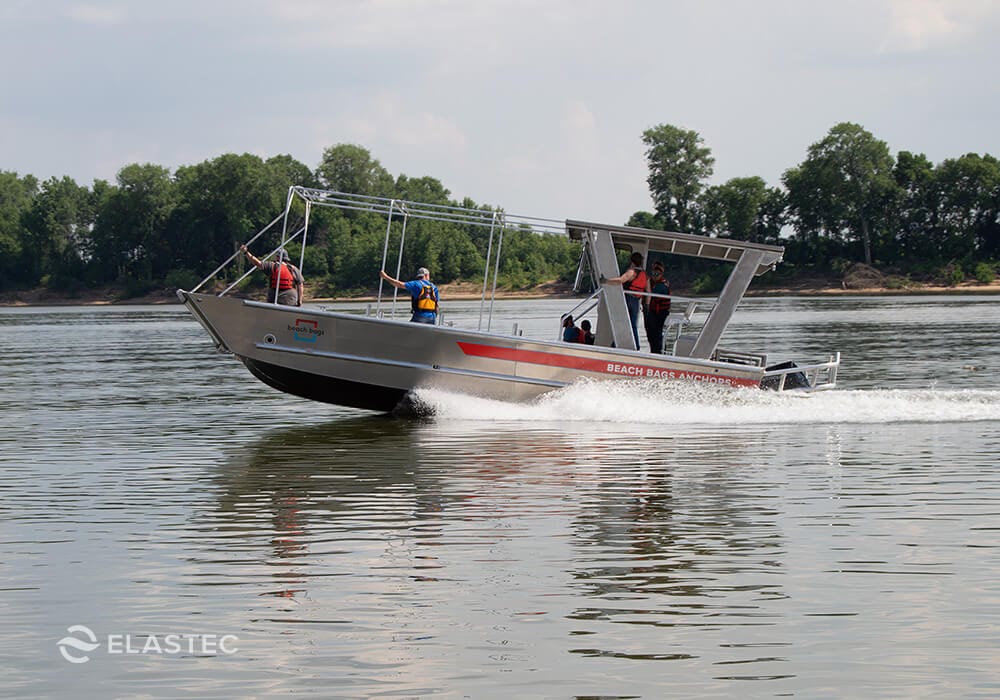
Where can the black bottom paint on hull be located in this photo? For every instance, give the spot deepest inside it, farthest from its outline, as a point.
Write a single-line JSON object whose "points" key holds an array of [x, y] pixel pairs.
{"points": [[327, 389]]}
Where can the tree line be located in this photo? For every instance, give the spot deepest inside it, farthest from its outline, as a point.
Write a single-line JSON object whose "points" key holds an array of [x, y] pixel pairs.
{"points": [[153, 229], [850, 200]]}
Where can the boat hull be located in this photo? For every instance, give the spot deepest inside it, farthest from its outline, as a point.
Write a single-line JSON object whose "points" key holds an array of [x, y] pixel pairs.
{"points": [[318, 387], [371, 363]]}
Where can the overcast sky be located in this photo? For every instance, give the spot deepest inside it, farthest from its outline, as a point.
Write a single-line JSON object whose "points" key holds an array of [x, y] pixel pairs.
{"points": [[534, 105]]}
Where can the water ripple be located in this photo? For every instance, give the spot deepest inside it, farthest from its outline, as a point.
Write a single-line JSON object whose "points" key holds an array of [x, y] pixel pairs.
{"points": [[841, 545]]}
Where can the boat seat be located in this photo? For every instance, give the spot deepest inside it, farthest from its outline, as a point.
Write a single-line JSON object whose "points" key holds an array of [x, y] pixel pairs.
{"points": [[684, 344], [737, 357]]}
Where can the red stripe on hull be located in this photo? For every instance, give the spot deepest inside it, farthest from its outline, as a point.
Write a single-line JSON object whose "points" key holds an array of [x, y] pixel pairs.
{"points": [[618, 369]]}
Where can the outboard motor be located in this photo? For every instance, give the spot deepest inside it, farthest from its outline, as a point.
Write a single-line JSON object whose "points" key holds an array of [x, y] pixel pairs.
{"points": [[793, 380]]}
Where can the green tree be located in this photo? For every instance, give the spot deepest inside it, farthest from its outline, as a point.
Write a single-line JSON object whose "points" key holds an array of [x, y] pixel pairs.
{"points": [[57, 233], [16, 195], [350, 168], [912, 211], [645, 219], [129, 236], [967, 198], [678, 167], [843, 187], [744, 208], [223, 202], [427, 190], [288, 170]]}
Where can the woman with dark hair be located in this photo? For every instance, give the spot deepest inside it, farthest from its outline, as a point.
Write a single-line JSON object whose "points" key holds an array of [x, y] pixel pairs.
{"points": [[571, 334]]}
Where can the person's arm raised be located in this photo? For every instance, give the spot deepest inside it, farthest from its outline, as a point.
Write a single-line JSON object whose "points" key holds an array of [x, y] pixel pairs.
{"points": [[392, 280]]}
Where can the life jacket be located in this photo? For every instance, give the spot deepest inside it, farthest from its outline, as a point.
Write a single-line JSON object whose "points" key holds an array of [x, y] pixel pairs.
{"points": [[282, 277], [581, 335], [656, 304], [637, 283], [427, 300]]}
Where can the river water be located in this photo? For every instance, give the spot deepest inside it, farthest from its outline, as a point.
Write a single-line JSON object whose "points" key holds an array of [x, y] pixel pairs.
{"points": [[171, 527]]}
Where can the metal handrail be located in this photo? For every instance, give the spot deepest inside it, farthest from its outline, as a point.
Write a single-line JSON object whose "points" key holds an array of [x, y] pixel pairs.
{"points": [[233, 256], [811, 372], [249, 272], [593, 300], [422, 210]]}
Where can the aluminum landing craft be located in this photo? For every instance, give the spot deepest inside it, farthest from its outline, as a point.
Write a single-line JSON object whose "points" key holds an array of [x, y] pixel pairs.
{"points": [[376, 363]]}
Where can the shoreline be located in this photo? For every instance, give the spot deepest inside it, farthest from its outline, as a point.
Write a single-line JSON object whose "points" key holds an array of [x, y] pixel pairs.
{"points": [[461, 292]]}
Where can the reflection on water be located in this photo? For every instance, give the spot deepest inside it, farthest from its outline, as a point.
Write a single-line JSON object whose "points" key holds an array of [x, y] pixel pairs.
{"points": [[294, 487], [609, 540], [631, 536]]}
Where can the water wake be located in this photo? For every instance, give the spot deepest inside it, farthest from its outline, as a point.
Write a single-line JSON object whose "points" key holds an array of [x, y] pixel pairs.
{"points": [[689, 403]]}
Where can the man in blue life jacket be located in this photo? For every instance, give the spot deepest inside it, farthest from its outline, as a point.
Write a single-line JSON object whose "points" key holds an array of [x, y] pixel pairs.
{"points": [[423, 294]]}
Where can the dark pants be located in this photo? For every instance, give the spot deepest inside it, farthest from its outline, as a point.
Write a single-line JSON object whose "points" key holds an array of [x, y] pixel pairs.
{"points": [[654, 329], [632, 304], [424, 318], [286, 297]]}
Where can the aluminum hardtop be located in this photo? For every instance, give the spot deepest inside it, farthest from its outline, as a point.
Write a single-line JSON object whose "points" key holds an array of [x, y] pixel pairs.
{"points": [[651, 240], [676, 243], [484, 216]]}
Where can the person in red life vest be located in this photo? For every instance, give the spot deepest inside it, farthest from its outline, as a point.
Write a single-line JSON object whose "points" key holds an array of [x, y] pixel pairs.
{"points": [[656, 309], [633, 280], [424, 296], [588, 336], [571, 334], [286, 285]]}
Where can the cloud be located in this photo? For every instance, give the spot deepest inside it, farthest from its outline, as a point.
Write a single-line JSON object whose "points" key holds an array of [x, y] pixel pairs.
{"points": [[377, 23], [538, 107], [578, 119], [919, 25], [99, 15], [388, 117]]}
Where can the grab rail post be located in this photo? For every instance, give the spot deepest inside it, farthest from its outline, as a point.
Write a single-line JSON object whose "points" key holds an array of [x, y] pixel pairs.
{"points": [[302, 253], [496, 271], [399, 258], [233, 256], [385, 256], [250, 271], [486, 271]]}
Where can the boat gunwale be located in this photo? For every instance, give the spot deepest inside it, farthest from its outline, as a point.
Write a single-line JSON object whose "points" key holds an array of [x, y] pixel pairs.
{"points": [[566, 348]]}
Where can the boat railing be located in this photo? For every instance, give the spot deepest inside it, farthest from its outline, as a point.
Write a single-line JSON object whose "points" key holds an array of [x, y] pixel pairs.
{"points": [[815, 377], [692, 302], [678, 323], [263, 259], [211, 275], [675, 323], [400, 210]]}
